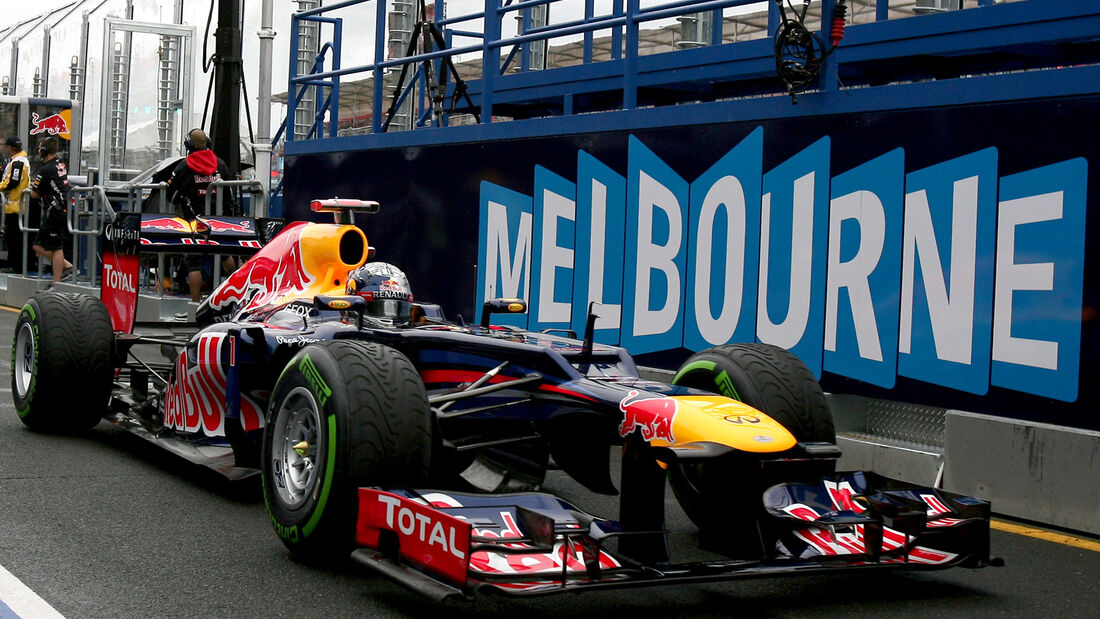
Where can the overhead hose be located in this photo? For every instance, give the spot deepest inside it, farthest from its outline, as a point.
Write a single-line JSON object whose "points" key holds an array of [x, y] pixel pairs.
{"points": [[837, 32], [800, 53]]}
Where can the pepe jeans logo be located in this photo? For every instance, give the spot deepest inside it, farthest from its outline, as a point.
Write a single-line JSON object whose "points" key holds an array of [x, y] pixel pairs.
{"points": [[950, 274]]}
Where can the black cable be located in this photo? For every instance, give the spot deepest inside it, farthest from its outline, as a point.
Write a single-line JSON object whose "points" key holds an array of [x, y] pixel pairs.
{"points": [[248, 112], [800, 53], [206, 106], [207, 61]]}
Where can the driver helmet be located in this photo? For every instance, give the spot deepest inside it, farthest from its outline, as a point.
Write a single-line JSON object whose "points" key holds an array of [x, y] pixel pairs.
{"points": [[385, 289]]}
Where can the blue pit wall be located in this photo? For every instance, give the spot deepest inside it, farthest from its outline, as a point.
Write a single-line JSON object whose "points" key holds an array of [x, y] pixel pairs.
{"points": [[913, 224]]}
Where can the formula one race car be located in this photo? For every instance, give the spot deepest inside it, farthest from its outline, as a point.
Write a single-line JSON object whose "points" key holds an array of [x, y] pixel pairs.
{"points": [[322, 372]]}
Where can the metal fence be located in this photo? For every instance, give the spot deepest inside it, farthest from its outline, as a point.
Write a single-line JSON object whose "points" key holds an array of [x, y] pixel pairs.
{"points": [[92, 208]]}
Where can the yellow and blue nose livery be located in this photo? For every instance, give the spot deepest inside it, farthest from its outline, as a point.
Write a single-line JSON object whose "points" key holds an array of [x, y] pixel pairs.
{"points": [[685, 420]]}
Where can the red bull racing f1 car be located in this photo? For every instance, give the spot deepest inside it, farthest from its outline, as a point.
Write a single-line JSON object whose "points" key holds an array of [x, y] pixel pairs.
{"points": [[419, 445]]}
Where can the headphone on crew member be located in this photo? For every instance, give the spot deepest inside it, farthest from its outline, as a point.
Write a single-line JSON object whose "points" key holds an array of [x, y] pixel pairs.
{"points": [[47, 147], [189, 144]]}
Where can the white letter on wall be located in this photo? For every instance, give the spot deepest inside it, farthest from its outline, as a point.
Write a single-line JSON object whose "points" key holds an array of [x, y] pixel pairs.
{"points": [[951, 315], [652, 196], [864, 207], [728, 193], [513, 266], [1012, 276], [555, 206], [790, 331]]}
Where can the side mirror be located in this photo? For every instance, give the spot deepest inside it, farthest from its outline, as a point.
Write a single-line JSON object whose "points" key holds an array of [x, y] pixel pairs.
{"points": [[501, 306], [346, 303]]}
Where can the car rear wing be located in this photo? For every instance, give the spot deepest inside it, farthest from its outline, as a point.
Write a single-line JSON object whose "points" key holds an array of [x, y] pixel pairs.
{"points": [[133, 234], [205, 234]]}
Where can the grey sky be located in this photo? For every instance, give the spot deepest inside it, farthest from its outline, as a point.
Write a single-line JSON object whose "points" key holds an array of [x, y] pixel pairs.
{"points": [[16, 11]]}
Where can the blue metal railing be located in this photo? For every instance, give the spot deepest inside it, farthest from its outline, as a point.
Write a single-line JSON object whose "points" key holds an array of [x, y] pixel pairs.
{"points": [[884, 50], [624, 17], [327, 84]]}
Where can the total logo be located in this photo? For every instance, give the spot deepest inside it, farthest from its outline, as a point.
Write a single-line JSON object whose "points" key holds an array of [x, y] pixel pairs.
{"points": [[420, 526], [117, 279]]}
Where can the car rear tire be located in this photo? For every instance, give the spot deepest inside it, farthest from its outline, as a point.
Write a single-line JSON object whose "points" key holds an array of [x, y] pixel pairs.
{"points": [[62, 362], [724, 497], [343, 414]]}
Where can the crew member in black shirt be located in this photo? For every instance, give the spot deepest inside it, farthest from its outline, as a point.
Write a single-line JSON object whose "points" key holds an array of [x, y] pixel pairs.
{"points": [[51, 188], [187, 191], [192, 177]]}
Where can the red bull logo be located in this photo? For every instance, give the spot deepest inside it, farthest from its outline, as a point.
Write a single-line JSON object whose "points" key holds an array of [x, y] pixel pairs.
{"points": [[54, 124], [390, 285], [277, 270], [653, 415], [243, 226], [168, 224]]}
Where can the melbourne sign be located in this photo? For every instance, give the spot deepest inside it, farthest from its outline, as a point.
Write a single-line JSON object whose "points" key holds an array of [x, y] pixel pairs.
{"points": [[949, 274]]}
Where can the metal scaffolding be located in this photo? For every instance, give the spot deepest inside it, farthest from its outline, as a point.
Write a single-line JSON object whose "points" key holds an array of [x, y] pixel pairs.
{"points": [[402, 19], [168, 96], [308, 46], [118, 104]]}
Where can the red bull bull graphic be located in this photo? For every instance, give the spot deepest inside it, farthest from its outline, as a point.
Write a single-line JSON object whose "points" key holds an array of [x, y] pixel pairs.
{"points": [[275, 271], [54, 124], [166, 224], [300, 263], [170, 230], [653, 415], [229, 225]]}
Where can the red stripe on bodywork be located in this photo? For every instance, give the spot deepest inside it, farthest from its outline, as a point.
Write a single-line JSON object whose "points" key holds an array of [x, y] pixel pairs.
{"points": [[431, 377], [458, 376], [572, 394]]}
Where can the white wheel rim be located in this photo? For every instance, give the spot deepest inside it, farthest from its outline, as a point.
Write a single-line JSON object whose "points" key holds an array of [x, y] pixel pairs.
{"points": [[296, 447], [23, 363]]}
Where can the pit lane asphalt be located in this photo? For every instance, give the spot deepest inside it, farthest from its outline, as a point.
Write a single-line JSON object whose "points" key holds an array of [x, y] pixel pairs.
{"points": [[107, 525]]}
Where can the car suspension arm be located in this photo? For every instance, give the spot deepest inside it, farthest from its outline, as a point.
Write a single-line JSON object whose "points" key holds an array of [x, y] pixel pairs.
{"points": [[474, 385], [472, 391]]}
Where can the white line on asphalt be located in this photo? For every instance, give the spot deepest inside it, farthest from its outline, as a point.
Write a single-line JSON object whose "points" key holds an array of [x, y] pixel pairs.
{"points": [[22, 601]]}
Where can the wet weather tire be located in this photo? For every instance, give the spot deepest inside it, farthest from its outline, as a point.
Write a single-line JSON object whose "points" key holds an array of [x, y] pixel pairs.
{"points": [[62, 363], [344, 414], [774, 381]]}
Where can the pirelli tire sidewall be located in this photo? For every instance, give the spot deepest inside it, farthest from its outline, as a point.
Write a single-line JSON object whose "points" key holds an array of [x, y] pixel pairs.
{"points": [[767, 377], [375, 429], [62, 362], [776, 382]]}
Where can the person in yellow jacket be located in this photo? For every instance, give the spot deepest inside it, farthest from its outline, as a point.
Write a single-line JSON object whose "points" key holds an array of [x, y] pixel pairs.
{"points": [[15, 180]]}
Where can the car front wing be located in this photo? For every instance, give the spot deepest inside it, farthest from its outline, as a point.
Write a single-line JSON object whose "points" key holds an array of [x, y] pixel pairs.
{"points": [[443, 544]]}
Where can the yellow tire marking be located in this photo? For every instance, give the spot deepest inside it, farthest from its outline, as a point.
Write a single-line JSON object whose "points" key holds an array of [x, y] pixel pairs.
{"points": [[1050, 536]]}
